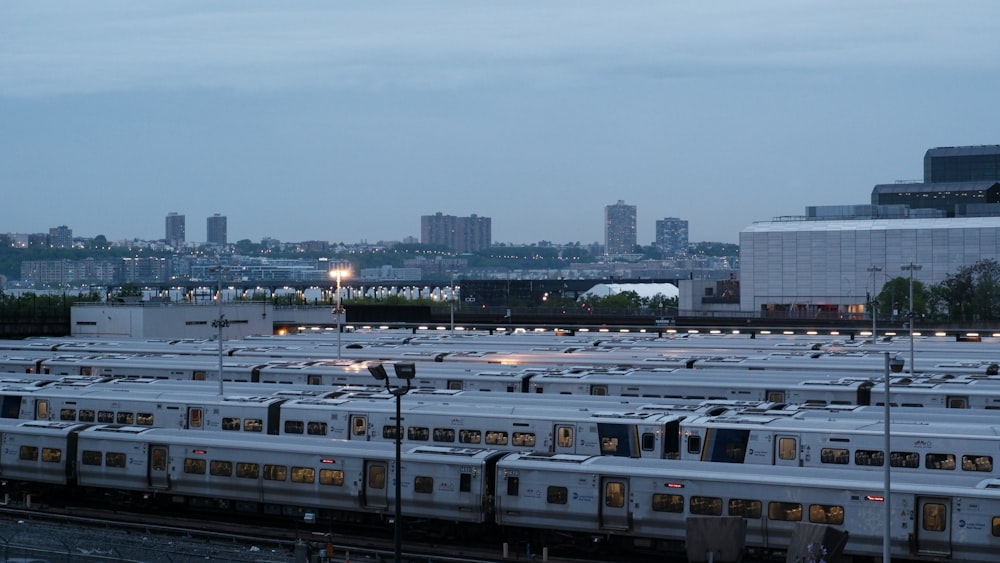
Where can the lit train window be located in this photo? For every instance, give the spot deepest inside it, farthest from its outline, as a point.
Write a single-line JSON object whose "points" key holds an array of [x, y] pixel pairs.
{"points": [[787, 511], [105, 416], [694, 444], [51, 455], [444, 434], [609, 444], [614, 494], [67, 414], [977, 463], [875, 458], [314, 379], [745, 508], [513, 486], [826, 514], [194, 466], [904, 459], [376, 476], [114, 459], [198, 376], [332, 477], [418, 433], [599, 390], [91, 457], [158, 459], [195, 417], [358, 426], [253, 425], [423, 485], [246, 470], [303, 475], [126, 418], [839, 456], [958, 403], [221, 468], [939, 461], [557, 495], [294, 427], [144, 418], [316, 428], [564, 437], [42, 410], [87, 415], [389, 432], [28, 453], [996, 526], [935, 517], [787, 448], [275, 472], [470, 436], [526, 439], [496, 437], [230, 423], [707, 506], [668, 503]]}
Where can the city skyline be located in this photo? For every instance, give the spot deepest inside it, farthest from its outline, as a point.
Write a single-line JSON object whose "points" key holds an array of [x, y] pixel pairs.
{"points": [[348, 122]]}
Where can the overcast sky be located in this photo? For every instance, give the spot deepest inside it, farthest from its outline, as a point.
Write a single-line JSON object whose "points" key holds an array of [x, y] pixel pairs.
{"points": [[346, 121]]}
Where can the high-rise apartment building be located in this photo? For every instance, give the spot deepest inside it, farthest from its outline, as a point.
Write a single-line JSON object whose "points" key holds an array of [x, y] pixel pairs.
{"points": [[217, 230], [60, 237], [175, 230], [458, 234], [619, 229], [672, 236]]}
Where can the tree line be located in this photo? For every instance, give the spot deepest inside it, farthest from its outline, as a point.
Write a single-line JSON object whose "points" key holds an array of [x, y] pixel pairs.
{"points": [[971, 294]]}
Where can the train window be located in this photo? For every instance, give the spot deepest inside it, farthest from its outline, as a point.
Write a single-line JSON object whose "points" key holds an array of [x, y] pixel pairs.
{"points": [[221, 468], [470, 436], [275, 472], [454, 385], [67, 414], [464, 483], [332, 477], [939, 461], [376, 476], [977, 463], [28, 453], [609, 444], [787, 448], [246, 470], [231, 423], [253, 425], [599, 390], [996, 526], [557, 495], [513, 486], [198, 376], [314, 380], [958, 403], [42, 410], [787, 511], [294, 427], [935, 517], [526, 439], [904, 459], [359, 426], [158, 459], [106, 416], [614, 494], [87, 415], [194, 466], [303, 475], [496, 437], [838, 456], [114, 459], [144, 418], [418, 433], [90, 457], [874, 458], [826, 514], [51, 455], [316, 428], [648, 442], [389, 432], [444, 434], [668, 503], [126, 418], [775, 396], [744, 507], [706, 506], [694, 444], [423, 484], [564, 437]]}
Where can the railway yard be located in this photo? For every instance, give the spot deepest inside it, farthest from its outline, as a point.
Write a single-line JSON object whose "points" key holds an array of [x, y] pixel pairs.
{"points": [[605, 445]]}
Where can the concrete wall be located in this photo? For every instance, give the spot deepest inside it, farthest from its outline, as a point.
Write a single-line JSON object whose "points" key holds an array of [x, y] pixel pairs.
{"points": [[170, 320]]}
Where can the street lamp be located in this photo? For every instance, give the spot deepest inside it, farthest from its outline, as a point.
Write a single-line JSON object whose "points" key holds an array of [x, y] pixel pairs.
{"points": [[873, 302], [405, 372], [221, 322], [911, 267], [452, 299], [339, 311]]}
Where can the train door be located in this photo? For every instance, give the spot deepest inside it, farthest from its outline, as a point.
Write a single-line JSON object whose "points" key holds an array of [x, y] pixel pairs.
{"points": [[933, 534], [564, 439], [11, 406], [614, 504], [158, 460], [359, 427], [786, 450], [376, 492]]}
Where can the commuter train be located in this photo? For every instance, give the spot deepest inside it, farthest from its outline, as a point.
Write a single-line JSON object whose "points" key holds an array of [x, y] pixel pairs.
{"points": [[622, 503]]}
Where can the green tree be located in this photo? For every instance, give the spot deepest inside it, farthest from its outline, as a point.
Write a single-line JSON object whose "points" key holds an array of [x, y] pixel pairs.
{"points": [[895, 297]]}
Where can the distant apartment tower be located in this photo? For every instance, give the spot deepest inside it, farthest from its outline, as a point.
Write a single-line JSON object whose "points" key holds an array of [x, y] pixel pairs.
{"points": [[217, 230], [619, 229], [175, 230], [672, 236], [458, 234], [60, 237]]}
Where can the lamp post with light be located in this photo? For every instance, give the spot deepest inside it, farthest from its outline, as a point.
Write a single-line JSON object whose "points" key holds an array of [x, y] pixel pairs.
{"points": [[406, 372], [874, 302], [338, 311], [911, 267]]}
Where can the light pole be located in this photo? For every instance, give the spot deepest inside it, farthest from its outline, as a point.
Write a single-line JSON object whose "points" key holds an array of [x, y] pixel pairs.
{"points": [[911, 267], [220, 323], [452, 299], [339, 311], [873, 302], [406, 372]]}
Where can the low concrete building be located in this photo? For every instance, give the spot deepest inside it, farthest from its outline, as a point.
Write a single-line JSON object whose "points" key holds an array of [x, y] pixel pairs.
{"points": [[170, 320]]}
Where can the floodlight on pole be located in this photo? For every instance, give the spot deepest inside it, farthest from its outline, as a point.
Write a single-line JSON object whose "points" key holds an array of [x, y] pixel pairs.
{"points": [[338, 311], [911, 267], [873, 302]]}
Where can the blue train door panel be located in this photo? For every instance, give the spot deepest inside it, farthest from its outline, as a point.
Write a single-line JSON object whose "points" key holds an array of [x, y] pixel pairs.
{"points": [[615, 504], [376, 493], [933, 526]]}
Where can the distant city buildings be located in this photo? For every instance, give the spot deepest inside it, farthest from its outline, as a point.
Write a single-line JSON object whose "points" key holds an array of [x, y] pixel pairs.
{"points": [[672, 236], [458, 234], [619, 229], [175, 235], [217, 230], [60, 237]]}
